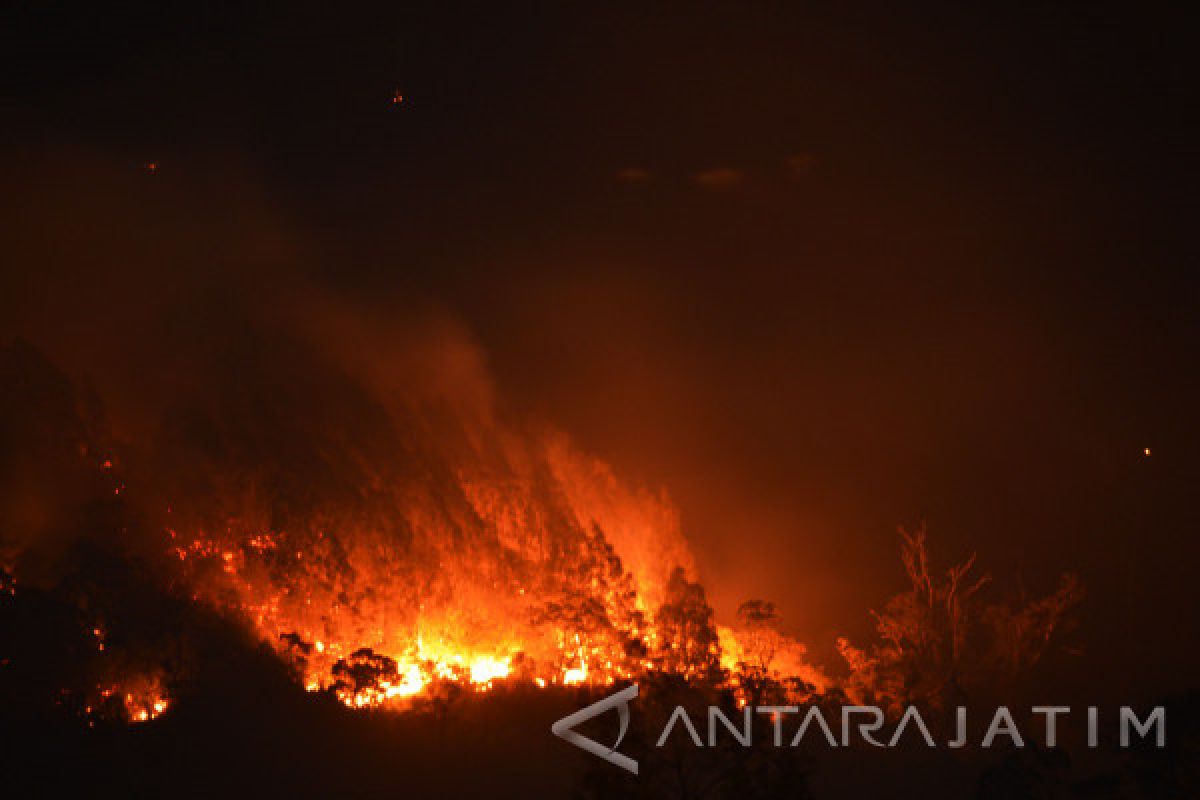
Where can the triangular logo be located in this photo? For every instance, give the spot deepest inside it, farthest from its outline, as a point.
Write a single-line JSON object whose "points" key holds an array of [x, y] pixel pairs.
{"points": [[620, 701]]}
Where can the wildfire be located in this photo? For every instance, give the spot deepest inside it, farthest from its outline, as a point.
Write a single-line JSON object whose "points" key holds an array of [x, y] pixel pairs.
{"points": [[141, 708], [134, 699], [424, 554], [534, 591], [419, 554]]}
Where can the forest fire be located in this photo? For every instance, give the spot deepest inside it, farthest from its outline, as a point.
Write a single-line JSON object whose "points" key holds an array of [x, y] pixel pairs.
{"points": [[345, 555], [786, 400], [130, 699], [421, 553], [403, 552], [540, 596], [395, 545]]}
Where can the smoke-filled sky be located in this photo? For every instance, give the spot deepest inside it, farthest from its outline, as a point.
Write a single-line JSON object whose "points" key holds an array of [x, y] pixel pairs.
{"points": [[816, 273]]}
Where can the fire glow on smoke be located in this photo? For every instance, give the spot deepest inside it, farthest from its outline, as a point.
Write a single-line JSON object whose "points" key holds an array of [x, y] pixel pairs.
{"points": [[523, 582], [388, 545]]}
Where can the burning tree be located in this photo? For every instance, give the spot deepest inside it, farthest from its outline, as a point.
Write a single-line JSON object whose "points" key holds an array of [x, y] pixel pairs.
{"points": [[761, 638], [595, 612], [688, 643], [766, 666]]}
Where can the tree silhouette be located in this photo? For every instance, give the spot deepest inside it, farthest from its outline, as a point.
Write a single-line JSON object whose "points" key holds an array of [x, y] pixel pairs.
{"points": [[688, 643], [939, 638]]}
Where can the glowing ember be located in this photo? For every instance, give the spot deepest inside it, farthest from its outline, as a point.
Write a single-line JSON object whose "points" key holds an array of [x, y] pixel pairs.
{"points": [[134, 699], [142, 709]]}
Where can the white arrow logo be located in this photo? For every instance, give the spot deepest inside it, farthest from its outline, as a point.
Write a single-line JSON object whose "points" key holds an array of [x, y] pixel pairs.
{"points": [[619, 701]]}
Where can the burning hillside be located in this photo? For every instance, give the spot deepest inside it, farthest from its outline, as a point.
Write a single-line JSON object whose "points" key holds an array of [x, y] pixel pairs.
{"points": [[385, 545], [364, 511], [296, 521], [491, 564]]}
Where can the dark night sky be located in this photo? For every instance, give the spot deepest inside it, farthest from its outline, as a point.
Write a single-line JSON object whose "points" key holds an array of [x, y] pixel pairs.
{"points": [[974, 303]]}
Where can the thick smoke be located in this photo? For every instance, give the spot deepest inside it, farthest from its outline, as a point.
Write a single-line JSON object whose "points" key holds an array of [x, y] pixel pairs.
{"points": [[330, 471], [353, 485]]}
